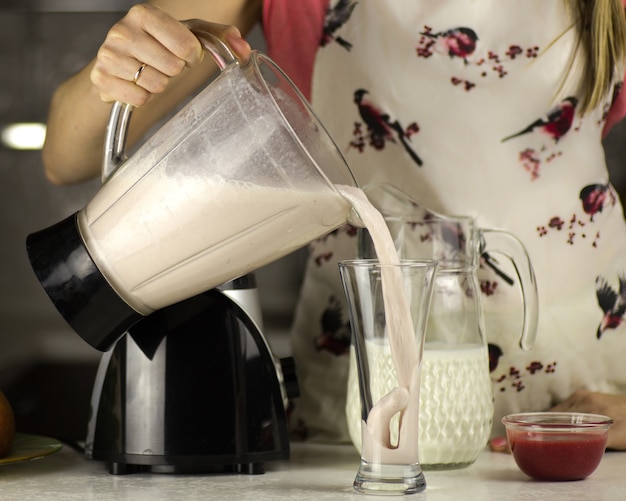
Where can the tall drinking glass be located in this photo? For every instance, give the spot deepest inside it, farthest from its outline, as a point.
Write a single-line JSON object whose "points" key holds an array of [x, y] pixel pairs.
{"points": [[388, 307]]}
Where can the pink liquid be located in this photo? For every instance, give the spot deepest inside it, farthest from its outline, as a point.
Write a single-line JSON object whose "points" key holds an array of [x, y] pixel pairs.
{"points": [[557, 456], [404, 399]]}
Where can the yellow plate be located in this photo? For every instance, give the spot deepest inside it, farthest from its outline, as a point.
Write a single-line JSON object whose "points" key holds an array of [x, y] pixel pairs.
{"points": [[29, 447]]}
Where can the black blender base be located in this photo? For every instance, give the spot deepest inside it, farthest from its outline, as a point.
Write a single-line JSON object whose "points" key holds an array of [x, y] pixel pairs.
{"points": [[127, 469], [192, 388]]}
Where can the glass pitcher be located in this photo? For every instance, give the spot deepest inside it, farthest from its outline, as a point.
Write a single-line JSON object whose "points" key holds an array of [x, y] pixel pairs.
{"points": [[456, 400], [242, 175]]}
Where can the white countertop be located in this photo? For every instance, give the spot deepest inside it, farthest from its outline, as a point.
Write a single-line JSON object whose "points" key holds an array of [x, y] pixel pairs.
{"points": [[315, 472]]}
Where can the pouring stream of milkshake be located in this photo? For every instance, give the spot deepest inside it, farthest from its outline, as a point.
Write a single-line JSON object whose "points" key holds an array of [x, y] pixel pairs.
{"points": [[377, 445]]}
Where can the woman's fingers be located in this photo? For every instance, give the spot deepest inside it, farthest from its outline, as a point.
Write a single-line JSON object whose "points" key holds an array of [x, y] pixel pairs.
{"points": [[229, 34], [150, 39], [612, 405]]}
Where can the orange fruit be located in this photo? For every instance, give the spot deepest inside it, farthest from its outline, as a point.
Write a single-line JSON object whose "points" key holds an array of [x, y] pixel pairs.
{"points": [[7, 425]]}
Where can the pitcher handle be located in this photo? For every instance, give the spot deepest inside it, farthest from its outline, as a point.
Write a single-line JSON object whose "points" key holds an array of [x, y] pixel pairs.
{"points": [[507, 244], [117, 127]]}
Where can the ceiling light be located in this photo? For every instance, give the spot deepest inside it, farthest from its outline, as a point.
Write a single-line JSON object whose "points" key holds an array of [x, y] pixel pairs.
{"points": [[23, 136]]}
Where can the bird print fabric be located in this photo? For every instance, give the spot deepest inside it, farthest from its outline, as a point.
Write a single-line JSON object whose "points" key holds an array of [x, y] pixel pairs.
{"points": [[556, 124], [612, 302], [456, 42], [336, 17], [475, 115], [380, 128]]}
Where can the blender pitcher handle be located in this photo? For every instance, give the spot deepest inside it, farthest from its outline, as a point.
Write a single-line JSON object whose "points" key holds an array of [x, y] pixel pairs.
{"points": [[507, 244], [117, 127]]}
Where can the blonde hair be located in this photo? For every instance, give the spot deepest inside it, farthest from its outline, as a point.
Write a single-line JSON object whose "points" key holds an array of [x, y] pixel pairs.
{"points": [[601, 26]]}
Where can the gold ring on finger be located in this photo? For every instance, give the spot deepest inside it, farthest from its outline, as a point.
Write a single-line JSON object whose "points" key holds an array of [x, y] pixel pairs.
{"points": [[139, 72]]}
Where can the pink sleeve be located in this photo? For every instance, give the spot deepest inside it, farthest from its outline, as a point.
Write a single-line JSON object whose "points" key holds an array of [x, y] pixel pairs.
{"points": [[293, 30]]}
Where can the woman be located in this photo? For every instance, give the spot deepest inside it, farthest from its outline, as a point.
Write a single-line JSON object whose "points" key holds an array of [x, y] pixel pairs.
{"points": [[491, 110]]}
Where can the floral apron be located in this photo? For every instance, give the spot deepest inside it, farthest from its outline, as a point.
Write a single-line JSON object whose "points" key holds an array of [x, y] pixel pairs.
{"points": [[470, 107]]}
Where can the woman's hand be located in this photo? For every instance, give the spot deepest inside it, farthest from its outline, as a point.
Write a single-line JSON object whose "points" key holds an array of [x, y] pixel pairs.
{"points": [[147, 35], [146, 48], [613, 406]]}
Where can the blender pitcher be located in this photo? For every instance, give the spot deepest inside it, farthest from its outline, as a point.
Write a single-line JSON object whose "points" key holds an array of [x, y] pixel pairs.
{"points": [[241, 176], [456, 400]]}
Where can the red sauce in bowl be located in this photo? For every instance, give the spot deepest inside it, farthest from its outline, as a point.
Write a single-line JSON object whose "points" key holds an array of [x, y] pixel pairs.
{"points": [[557, 456]]}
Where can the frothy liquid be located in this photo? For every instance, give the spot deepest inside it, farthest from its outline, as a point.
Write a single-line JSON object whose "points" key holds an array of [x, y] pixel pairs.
{"points": [[177, 237], [221, 189], [456, 408], [401, 400]]}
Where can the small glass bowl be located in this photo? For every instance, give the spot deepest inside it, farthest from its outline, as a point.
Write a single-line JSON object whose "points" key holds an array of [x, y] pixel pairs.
{"points": [[557, 445]]}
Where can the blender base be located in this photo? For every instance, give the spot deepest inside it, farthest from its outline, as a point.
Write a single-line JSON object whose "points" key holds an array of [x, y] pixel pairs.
{"points": [[191, 388]]}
